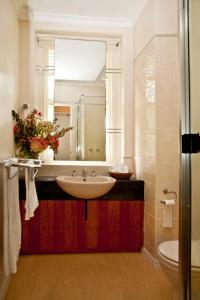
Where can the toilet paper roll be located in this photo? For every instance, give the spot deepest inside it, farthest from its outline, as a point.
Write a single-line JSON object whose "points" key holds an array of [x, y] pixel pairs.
{"points": [[168, 202], [168, 212]]}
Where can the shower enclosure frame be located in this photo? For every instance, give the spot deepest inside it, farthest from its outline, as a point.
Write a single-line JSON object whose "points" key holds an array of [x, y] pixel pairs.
{"points": [[185, 178]]}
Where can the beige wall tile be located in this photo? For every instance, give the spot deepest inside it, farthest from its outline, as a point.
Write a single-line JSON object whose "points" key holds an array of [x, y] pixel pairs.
{"points": [[157, 133]]}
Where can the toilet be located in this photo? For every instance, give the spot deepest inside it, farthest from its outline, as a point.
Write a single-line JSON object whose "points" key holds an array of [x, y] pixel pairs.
{"points": [[168, 258]]}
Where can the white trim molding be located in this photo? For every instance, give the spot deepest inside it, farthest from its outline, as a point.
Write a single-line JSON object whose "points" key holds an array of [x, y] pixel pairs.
{"points": [[81, 20]]}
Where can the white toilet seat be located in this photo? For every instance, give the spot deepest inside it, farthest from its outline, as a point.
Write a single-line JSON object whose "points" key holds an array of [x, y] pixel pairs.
{"points": [[169, 252], [168, 258]]}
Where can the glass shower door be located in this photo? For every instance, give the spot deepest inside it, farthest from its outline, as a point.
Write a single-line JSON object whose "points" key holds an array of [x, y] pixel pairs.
{"points": [[190, 186], [194, 71]]}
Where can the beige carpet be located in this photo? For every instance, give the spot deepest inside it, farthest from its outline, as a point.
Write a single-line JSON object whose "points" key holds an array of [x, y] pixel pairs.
{"points": [[107, 276]]}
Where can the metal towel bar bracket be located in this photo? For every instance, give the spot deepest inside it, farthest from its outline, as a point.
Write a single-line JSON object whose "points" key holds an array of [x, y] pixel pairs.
{"points": [[12, 175], [32, 165]]}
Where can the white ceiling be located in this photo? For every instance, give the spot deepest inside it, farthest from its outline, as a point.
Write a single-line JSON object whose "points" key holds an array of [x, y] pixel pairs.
{"points": [[78, 59], [123, 11], [120, 9]]}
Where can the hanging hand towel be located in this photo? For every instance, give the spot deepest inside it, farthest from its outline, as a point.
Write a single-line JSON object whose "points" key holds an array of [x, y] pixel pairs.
{"points": [[31, 196], [12, 224]]}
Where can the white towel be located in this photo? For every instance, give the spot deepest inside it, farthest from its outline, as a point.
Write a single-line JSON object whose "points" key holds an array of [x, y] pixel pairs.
{"points": [[31, 196], [12, 224]]}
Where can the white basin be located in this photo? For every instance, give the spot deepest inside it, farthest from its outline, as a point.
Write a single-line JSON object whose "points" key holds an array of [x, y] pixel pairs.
{"points": [[86, 187]]}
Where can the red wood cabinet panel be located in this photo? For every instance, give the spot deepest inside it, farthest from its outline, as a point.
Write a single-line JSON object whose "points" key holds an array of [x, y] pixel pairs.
{"points": [[60, 226], [54, 227], [115, 213], [56, 213], [119, 224], [107, 213]]}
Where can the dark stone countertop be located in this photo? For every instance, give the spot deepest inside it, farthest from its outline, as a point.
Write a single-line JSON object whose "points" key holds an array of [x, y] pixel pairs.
{"points": [[48, 189]]}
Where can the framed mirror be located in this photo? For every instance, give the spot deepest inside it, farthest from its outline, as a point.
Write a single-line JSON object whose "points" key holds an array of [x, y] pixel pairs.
{"points": [[79, 79]]}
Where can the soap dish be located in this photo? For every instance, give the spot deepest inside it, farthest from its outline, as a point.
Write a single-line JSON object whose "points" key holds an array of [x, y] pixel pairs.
{"points": [[120, 176]]}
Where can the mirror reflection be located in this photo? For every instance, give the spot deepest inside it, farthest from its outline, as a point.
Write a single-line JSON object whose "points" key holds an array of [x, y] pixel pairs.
{"points": [[79, 82], [79, 98], [87, 116]]}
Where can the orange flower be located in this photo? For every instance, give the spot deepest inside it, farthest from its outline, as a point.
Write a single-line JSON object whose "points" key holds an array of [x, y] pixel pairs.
{"points": [[15, 129], [33, 135], [38, 144], [53, 142]]}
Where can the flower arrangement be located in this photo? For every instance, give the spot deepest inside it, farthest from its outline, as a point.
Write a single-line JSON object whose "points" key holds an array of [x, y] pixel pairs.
{"points": [[33, 135]]}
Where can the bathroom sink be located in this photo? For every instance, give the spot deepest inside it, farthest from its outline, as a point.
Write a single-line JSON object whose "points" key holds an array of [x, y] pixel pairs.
{"points": [[86, 187]]}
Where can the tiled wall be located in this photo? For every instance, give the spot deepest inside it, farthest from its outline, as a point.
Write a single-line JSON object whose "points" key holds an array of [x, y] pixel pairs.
{"points": [[157, 133]]}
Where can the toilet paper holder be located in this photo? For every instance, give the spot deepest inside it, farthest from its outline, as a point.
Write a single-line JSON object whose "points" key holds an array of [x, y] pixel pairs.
{"points": [[167, 220], [166, 191]]}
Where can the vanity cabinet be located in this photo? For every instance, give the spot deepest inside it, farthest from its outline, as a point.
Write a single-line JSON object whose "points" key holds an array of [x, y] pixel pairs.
{"points": [[53, 229], [75, 225], [118, 225]]}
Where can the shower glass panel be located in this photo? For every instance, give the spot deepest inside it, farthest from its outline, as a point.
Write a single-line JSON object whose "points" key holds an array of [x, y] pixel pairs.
{"points": [[194, 62]]}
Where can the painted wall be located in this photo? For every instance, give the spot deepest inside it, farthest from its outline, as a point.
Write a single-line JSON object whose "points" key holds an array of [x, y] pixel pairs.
{"points": [[157, 111], [9, 50], [25, 79], [8, 74], [159, 17], [143, 29], [65, 91]]}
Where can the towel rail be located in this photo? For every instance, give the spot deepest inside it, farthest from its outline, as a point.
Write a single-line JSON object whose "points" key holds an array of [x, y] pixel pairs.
{"points": [[32, 165]]}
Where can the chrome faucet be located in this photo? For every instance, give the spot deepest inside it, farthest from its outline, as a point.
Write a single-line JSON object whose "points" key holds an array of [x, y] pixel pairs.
{"points": [[74, 173], [84, 173]]}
